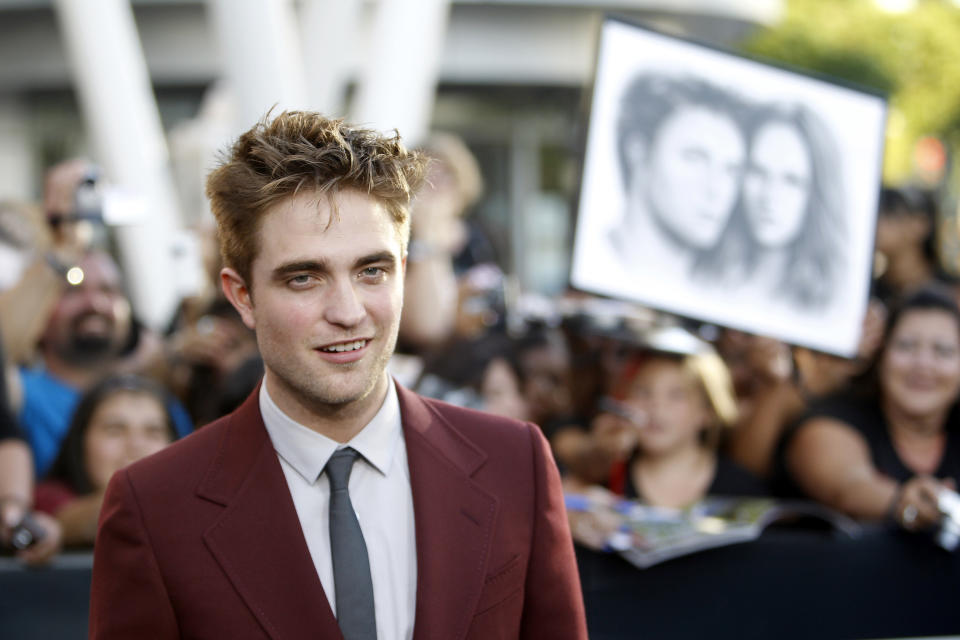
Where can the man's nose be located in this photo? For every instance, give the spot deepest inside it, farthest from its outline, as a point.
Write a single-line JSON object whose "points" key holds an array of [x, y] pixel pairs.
{"points": [[343, 305]]}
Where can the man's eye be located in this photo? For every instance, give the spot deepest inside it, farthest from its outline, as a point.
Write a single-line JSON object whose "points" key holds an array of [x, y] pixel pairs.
{"points": [[372, 272], [301, 280]]}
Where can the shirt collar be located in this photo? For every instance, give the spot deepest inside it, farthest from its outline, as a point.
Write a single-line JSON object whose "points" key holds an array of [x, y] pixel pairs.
{"points": [[308, 451]]}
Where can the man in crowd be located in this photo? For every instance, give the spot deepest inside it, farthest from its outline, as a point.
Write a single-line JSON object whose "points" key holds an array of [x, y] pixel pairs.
{"points": [[333, 503], [87, 334]]}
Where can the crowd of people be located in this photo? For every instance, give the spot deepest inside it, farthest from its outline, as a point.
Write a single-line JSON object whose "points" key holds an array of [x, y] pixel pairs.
{"points": [[649, 406]]}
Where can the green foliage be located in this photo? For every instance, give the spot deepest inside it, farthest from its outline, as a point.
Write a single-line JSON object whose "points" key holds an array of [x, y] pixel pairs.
{"points": [[913, 57]]}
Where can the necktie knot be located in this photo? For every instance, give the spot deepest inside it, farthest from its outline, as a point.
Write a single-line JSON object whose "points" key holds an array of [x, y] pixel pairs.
{"points": [[339, 466]]}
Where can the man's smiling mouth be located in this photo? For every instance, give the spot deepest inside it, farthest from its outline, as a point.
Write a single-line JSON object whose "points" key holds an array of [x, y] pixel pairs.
{"points": [[344, 347]]}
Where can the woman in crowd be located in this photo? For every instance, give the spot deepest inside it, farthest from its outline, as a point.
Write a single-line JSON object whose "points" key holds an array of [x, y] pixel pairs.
{"points": [[888, 447], [120, 420]]}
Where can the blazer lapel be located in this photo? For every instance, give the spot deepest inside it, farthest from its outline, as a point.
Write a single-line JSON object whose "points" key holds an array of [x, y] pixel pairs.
{"points": [[454, 521], [258, 541]]}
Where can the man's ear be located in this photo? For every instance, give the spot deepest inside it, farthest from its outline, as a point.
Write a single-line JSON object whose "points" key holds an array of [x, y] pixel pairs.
{"points": [[237, 292]]}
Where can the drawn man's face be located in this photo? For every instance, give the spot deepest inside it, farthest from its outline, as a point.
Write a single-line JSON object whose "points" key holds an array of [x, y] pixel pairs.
{"points": [[694, 168], [776, 188]]}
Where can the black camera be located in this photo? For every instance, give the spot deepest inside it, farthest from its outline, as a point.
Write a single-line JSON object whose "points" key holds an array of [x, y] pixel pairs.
{"points": [[27, 533]]}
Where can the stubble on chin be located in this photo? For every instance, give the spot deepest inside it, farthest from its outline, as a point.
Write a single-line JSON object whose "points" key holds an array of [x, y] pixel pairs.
{"points": [[334, 393]]}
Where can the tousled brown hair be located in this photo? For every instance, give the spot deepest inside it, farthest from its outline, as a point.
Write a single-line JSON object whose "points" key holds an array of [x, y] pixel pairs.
{"points": [[305, 151]]}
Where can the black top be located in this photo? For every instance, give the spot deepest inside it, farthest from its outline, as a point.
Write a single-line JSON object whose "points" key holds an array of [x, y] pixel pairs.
{"points": [[729, 479], [8, 425], [863, 414]]}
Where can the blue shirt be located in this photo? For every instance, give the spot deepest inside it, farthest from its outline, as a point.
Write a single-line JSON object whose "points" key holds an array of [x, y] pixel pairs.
{"points": [[48, 406]]}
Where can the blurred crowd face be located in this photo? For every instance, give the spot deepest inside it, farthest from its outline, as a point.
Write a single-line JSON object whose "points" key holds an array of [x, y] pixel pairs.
{"points": [[91, 320], [920, 368], [674, 408], [547, 381], [125, 427], [325, 299], [695, 166], [900, 231], [501, 391], [776, 187]]}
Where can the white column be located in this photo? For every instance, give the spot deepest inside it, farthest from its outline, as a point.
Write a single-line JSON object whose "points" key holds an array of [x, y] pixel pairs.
{"points": [[113, 84], [260, 56], [16, 153], [328, 33], [398, 78]]}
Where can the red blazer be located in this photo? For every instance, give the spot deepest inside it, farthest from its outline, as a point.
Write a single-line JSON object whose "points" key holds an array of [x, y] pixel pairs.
{"points": [[202, 540]]}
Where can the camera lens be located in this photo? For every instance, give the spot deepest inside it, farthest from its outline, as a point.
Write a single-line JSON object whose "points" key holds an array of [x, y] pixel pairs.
{"points": [[22, 538]]}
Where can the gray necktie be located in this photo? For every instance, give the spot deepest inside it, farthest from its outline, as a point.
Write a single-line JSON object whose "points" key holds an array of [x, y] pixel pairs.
{"points": [[351, 568]]}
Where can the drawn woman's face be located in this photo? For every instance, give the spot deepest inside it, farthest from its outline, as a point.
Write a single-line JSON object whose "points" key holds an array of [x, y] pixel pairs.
{"points": [[694, 169], [776, 188]]}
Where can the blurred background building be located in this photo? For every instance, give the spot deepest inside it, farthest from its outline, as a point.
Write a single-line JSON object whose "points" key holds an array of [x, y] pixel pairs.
{"points": [[509, 76]]}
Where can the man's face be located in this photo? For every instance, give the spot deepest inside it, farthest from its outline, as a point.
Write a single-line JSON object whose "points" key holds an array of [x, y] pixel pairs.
{"points": [[693, 173], [91, 320], [324, 299]]}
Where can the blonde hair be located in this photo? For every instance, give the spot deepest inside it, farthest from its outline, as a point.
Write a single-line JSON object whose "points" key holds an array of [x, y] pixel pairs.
{"points": [[713, 377]]}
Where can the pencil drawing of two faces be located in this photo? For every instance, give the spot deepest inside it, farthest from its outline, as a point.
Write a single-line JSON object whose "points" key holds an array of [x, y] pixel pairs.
{"points": [[731, 181]]}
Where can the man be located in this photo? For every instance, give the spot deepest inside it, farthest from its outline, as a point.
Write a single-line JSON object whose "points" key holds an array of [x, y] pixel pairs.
{"points": [[456, 517], [87, 335]]}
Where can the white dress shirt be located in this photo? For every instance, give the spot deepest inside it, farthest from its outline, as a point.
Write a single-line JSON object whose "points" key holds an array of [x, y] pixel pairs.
{"points": [[381, 496]]}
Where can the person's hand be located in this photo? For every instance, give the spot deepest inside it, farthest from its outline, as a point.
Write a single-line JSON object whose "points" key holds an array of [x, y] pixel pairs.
{"points": [[872, 333], [12, 513], [770, 359], [591, 516], [916, 505], [48, 545], [614, 436], [215, 342], [436, 213]]}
